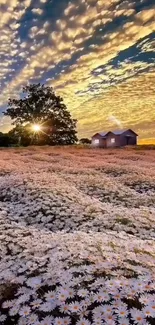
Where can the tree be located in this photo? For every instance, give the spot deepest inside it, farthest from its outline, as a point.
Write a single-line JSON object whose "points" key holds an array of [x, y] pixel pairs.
{"points": [[20, 135], [41, 106], [4, 140], [85, 141]]}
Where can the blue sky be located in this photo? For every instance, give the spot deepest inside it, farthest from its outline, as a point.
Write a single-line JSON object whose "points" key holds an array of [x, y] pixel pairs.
{"points": [[99, 55]]}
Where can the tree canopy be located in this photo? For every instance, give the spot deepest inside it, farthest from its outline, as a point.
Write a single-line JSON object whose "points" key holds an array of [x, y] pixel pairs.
{"points": [[4, 140], [85, 141], [40, 105]]}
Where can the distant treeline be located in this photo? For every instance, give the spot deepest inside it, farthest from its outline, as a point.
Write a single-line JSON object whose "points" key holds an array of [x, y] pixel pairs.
{"points": [[5, 140], [10, 139]]}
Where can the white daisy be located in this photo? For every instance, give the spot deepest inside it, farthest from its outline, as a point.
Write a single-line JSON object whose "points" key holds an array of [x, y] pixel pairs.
{"points": [[83, 321], [110, 318], [98, 321], [116, 303], [110, 322], [2, 318], [71, 293], [7, 304], [34, 282], [123, 321], [50, 295], [117, 295], [24, 290], [89, 300], [62, 295], [122, 311], [144, 299], [66, 320], [23, 298], [97, 311], [84, 312], [22, 321], [137, 316], [48, 320], [36, 303], [25, 311], [75, 307], [64, 308], [107, 309], [47, 306], [152, 297], [148, 287], [58, 321], [114, 291], [131, 293], [14, 311], [152, 306], [149, 310], [101, 296], [33, 318]]}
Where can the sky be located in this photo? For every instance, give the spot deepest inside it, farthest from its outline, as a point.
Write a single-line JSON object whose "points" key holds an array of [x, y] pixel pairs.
{"points": [[99, 55]]}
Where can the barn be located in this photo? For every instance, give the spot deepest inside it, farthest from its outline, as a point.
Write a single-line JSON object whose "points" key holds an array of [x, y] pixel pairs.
{"points": [[117, 138]]}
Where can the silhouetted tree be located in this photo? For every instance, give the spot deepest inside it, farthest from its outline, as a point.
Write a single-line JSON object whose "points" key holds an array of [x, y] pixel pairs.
{"points": [[85, 141], [41, 106], [20, 135], [4, 140]]}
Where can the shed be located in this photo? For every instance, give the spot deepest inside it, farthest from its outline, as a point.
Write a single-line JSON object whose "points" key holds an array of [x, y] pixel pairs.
{"points": [[116, 138]]}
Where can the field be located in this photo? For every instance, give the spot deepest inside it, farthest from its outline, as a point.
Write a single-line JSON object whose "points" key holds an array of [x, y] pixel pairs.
{"points": [[77, 236]]}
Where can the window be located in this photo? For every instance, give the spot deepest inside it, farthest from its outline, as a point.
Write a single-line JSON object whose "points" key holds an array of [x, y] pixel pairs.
{"points": [[96, 141], [113, 140]]}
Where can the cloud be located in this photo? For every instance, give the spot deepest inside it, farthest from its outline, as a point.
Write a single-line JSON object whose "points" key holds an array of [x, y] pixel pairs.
{"points": [[147, 45], [37, 11], [115, 121]]}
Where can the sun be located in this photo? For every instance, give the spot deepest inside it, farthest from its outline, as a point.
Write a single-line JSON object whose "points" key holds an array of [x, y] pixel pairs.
{"points": [[36, 127]]}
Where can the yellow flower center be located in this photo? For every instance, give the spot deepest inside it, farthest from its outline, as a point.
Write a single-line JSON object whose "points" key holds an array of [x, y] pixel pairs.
{"points": [[117, 296]]}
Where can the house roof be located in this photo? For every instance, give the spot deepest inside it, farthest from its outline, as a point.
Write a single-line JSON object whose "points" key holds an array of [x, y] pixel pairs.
{"points": [[103, 134], [115, 132], [119, 132]]}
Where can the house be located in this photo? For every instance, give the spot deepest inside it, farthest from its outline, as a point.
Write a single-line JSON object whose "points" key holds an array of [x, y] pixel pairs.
{"points": [[117, 138]]}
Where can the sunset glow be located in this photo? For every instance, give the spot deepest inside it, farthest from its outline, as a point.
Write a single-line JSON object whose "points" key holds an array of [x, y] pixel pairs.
{"points": [[36, 127]]}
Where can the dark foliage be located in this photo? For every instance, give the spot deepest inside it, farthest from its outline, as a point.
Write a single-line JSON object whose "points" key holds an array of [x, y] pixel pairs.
{"points": [[85, 141], [4, 140], [41, 106], [20, 135]]}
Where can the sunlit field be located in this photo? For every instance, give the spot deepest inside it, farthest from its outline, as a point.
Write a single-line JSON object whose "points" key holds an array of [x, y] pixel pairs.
{"points": [[77, 236]]}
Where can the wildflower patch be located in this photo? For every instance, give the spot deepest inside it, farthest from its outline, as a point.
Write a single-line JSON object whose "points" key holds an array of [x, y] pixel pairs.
{"points": [[69, 257]]}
